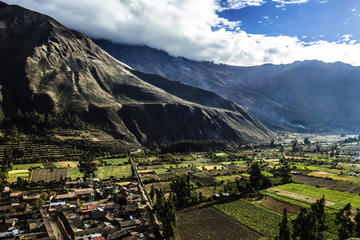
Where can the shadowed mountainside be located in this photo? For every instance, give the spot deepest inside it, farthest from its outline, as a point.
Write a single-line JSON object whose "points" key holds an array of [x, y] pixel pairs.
{"points": [[49, 68], [304, 96]]}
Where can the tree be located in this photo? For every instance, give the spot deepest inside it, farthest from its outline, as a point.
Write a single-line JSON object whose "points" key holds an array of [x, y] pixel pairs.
{"points": [[39, 203], [303, 227], [257, 180], [357, 223], [166, 211], [284, 170], [284, 233], [181, 188], [310, 223], [152, 193], [294, 147], [87, 165], [346, 225], [318, 210]]}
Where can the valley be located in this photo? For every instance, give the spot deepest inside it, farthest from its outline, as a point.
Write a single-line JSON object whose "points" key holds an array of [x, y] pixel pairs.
{"points": [[113, 139], [221, 181]]}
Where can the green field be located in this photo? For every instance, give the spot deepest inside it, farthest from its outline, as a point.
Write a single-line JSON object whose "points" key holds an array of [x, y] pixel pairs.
{"points": [[267, 174], [254, 216], [74, 173], [340, 198], [232, 162], [27, 166], [304, 167], [229, 178], [161, 170], [105, 172], [181, 165], [14, 174], [116, 161]]}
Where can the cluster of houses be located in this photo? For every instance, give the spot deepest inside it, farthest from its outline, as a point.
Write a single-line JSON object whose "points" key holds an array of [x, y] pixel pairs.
{"points": [[95, 210]]}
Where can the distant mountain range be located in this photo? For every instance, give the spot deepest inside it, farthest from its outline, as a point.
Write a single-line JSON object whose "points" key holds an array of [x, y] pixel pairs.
{"points": [[309, 96], [48, 68]]}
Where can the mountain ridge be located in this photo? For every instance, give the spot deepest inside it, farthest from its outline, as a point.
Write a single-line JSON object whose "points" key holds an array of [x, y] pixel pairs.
{"points": [[301, 96], [62, 70]]}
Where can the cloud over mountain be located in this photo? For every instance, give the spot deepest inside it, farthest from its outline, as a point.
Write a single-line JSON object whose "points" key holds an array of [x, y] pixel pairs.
{"points": [[189, 28]]}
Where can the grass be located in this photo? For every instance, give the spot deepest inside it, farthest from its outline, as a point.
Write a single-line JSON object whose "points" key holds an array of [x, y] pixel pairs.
{"points": [[232, 162], [340, 198], [161, 170], [74, 173], [267, 174], [254, 216], [293, 201], [181, 165], [304, 167], [27, 166], [14, 174], [222, 154], [116, 161], [229, 178], [105, 172], [66, 164]]}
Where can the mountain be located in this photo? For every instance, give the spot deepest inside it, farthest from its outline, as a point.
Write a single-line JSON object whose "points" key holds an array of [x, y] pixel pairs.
{"points": [[309, 96], [47, 68]]}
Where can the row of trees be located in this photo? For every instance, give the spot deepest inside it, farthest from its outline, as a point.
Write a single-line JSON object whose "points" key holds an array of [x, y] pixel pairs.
{"points": [[39, 122], [311, 224]]}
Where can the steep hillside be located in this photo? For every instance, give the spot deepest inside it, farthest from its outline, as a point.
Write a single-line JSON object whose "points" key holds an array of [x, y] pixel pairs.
{"points": [[49, 68], [303, 96]]}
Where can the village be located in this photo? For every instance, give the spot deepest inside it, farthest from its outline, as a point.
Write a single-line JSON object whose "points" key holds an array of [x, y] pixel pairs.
{"points": [[94, 209]]}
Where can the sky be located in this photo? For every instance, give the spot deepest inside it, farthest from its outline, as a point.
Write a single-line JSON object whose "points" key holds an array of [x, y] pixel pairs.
{"points": [[236, 32]]}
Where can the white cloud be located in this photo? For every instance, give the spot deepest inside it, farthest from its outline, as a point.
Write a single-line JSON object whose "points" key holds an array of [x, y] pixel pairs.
{"points": [[189, 28], [346, 38], [238, 4], [291, 1]]}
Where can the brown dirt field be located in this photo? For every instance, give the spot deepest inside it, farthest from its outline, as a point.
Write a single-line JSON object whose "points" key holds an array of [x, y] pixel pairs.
{"points": [[209, 168], [208, 181], [314, 181], [204, 223], [300, 196], [146, 171], [47, 175], [68, 164], [320, 174], [164, 186], [278, 206], [328, 183]]}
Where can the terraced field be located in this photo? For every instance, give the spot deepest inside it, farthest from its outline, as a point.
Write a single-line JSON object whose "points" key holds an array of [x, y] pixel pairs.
{"points": [[340, 199], [48, 175], [206, 222], [14, 174], [32, 150], [252, 215], [105, 172]]}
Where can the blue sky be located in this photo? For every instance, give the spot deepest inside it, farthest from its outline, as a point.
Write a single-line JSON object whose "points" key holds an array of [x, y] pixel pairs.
{"points": [[237, 32], [310, 21]]}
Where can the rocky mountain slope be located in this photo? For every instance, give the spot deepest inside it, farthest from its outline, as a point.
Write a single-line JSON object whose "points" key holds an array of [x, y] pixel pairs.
{"points": [[303, 96], [49, 68]]}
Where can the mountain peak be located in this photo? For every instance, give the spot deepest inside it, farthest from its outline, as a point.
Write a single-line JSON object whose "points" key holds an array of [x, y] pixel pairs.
{"points": [[49, 68]]}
